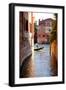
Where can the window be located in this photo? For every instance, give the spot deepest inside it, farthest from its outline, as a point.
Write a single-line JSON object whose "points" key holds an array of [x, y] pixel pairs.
{"points": [[43, 35], [26, 25], [49, 30]]}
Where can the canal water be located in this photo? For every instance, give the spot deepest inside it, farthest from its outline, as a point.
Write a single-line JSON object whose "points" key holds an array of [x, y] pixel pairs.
{"points": [[38, 64]]}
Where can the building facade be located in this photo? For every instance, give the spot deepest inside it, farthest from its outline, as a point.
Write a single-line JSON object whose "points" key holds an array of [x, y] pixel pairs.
{"points": [[44, 30], [26, 35]]}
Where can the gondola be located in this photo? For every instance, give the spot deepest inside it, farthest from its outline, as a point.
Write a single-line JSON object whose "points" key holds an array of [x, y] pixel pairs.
{"points": [[39, 48]]}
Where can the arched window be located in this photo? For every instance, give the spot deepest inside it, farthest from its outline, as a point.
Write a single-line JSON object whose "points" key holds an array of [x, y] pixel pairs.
{"points": [[39, 35], [43, 35], [49, 30]]}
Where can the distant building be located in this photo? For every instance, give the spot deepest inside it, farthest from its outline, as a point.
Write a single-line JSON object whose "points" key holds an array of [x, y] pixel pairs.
{"points": [[26, 35], [44, 29]]}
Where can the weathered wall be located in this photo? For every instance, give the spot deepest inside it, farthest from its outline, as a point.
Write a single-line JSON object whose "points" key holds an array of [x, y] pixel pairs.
{"points": [[25, 36], [54, 58]]}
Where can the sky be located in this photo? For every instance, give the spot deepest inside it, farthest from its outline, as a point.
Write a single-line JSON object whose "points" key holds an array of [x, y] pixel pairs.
{"points": [[42, 16]]}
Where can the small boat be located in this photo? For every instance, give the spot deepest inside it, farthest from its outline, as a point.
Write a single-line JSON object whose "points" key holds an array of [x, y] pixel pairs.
{"points": [[39, 48]]}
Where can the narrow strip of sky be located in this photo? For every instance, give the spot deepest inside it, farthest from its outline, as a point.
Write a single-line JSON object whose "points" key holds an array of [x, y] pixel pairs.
{"points": [[43, 16]]}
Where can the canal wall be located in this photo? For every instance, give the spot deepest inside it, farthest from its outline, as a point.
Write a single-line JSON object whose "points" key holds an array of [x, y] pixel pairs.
{"points": [[54, 48], [25, 52], [54, 58]]}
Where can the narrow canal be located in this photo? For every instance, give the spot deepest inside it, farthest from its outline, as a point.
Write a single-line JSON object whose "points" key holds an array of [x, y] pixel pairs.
{"points": [[37, 65]]}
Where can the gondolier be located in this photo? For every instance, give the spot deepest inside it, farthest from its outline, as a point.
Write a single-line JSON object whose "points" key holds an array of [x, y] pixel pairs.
{"points": [[37, 47]]}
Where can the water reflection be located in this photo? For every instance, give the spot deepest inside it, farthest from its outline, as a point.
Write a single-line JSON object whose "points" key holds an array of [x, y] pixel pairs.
{"points": [[27, 69], [41, 66], [54, 66]]}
